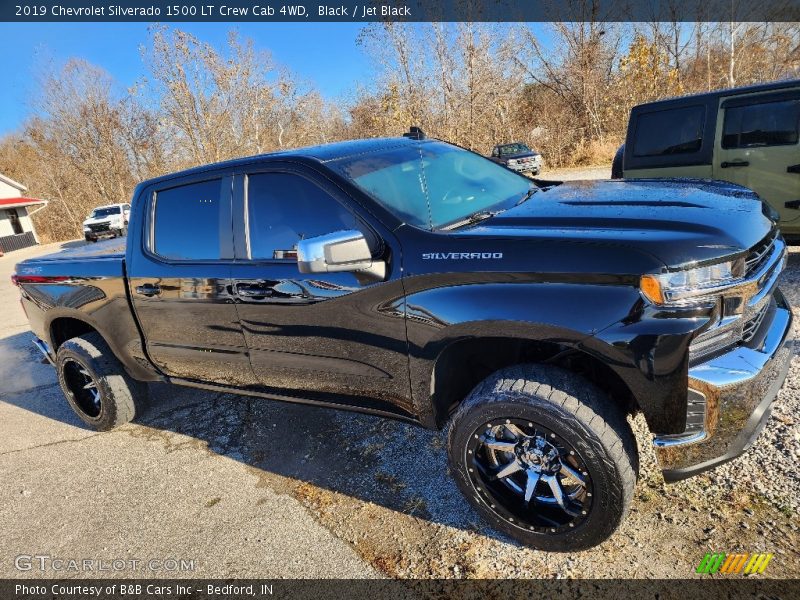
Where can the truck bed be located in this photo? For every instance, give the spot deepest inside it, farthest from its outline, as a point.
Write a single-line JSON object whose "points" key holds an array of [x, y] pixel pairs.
{"points": [[112, 248]]}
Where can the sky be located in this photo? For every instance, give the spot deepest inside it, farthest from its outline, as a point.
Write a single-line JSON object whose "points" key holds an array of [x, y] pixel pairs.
{"points": [[324, 54]]}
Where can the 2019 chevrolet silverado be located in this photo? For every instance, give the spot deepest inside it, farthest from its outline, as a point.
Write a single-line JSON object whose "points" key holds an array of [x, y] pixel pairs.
{"points": [[517, 157], [107, 221], [413, 279]]}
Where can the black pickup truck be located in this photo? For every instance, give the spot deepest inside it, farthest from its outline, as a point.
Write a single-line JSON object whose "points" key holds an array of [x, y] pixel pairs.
{"points": [[413, 279]]}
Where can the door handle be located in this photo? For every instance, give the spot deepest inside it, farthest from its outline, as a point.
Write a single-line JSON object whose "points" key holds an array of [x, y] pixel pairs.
{"points": [[793, 169], [148, 289], [252, 290], [735, 163]]}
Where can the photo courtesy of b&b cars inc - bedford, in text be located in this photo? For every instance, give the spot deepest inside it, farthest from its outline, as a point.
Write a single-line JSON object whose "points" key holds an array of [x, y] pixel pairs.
{"points": [[400, 299]]}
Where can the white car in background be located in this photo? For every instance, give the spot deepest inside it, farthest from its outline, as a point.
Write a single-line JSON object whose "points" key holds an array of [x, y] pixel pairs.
{"points": [[107, 221]]}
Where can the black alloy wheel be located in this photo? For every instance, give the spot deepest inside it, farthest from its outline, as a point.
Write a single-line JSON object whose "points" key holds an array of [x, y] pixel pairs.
{"points": [[529, 475], [83, 388]]}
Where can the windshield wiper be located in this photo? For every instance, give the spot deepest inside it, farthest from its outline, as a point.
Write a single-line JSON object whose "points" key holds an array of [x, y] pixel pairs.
{"points": [[531, 191], [475, 217], [482, 215]]}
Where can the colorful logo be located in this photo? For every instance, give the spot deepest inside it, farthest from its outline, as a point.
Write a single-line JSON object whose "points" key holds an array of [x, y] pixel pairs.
{"points": [[734, 563]]}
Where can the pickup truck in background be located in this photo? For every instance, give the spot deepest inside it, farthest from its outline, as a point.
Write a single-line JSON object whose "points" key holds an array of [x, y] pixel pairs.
{"points": [[409, 278], [107, 221], [517, 157]]}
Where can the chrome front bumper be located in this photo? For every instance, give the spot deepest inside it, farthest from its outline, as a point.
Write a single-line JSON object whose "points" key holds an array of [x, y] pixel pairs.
{"points": [[730, 397]]}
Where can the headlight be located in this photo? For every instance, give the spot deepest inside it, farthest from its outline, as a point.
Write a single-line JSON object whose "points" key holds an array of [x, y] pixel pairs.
{"points": [[681, 286], [87, 228]]}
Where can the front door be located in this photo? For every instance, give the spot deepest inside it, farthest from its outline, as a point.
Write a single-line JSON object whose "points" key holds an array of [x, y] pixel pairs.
{"points": [[180, 286], [757, 147], [331, 337]]}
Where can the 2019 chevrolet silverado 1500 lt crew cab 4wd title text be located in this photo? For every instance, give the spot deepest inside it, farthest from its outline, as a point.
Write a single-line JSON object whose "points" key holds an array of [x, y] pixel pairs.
{"points": [[413, 279]]}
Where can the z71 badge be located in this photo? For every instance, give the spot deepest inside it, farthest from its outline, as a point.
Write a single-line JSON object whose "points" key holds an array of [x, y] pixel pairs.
{"points": [[462, 255]]}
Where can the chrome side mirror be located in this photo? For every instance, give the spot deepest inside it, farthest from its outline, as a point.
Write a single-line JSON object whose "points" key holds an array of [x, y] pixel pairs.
{"points": [[336, 252]]}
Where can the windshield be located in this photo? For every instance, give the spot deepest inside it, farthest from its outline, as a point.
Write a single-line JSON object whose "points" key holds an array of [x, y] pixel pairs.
{"points": [[104, 211], [433, 184], [510, 149]]}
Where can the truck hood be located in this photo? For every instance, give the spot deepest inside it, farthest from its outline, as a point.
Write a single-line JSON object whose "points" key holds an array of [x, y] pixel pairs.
{"points": [[677, 221]]}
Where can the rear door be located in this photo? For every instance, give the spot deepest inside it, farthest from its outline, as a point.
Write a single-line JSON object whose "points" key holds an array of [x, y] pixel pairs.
{"points": [[332, 337], [179, 277], [757, 147]]}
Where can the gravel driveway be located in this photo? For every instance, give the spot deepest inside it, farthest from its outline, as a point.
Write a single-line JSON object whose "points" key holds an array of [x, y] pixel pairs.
{"points": [[227, 480]]}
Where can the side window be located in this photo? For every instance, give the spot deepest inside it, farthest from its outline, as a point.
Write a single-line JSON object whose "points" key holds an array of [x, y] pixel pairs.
{"points": [[762, 124], [495, 151], [187, 222], [671, 131], [284, 208]]}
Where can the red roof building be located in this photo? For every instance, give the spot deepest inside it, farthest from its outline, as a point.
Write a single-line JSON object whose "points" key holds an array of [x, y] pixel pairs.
{"points": [[16, 228]]}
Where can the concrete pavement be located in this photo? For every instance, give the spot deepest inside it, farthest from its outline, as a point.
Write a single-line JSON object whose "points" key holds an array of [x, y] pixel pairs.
{"points": [[140, 493]]}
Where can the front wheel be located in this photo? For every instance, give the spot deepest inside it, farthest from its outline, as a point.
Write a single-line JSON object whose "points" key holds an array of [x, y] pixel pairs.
{"points": [[545, 457]]}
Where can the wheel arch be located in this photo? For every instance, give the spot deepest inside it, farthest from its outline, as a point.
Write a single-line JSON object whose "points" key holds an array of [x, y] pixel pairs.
{"points": [[465, 362], [64, 324], [63, 328]]}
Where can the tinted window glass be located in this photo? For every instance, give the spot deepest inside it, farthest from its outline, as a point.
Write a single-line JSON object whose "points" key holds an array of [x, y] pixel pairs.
{"points": [[510, 149], [666, 132], [105, 212], [764, 124], [187, 222], [284, 208]]}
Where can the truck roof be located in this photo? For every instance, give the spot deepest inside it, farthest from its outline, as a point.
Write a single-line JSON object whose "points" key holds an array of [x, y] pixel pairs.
{"points": [[321, 153], [749, 89]]}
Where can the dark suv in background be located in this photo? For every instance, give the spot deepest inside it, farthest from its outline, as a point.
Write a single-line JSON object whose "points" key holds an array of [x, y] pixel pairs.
{"points": [[748, 136]]}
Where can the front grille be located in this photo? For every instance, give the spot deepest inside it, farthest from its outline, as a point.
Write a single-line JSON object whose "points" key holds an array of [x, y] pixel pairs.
{"points": [[760, 253], [750, 305], [752, 326], [98, 227]]}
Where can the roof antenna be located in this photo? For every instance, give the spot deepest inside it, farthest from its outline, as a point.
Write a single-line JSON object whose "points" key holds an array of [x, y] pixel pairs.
{"points": [[415, 133]]}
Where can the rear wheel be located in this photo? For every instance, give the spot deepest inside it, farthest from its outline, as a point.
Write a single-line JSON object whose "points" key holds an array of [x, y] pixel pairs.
{"points": [[95, 383], [545, 457]]}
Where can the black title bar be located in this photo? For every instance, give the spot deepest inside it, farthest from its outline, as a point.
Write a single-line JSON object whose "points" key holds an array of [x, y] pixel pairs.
{"points": [[233, 11], [732, 588]]}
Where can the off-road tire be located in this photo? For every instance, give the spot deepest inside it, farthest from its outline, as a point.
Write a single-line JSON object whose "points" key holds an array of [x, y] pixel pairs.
{"points": [[579, 413], [120, 394]]}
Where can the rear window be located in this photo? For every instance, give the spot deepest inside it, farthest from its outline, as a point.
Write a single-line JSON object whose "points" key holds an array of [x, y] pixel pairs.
{"points": [[668, 132], [187, 222], [762, 124]]}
